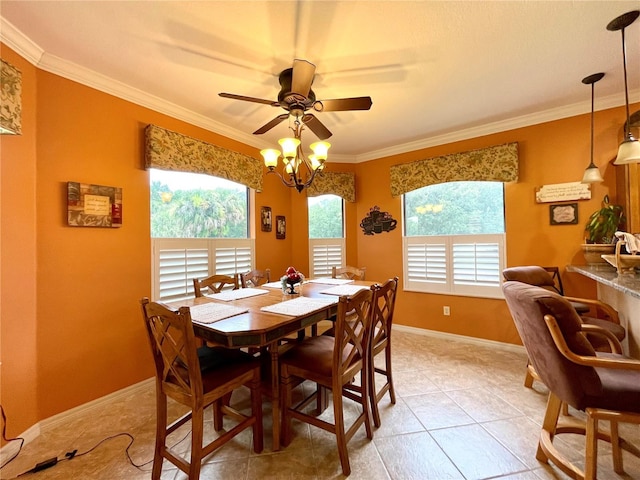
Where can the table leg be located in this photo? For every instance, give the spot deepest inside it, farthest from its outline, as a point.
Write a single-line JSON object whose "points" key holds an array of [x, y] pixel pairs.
{"points": [[275, 394]]}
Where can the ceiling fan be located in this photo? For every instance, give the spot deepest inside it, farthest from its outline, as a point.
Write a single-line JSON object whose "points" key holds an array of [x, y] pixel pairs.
{"points": [[296, 97]]}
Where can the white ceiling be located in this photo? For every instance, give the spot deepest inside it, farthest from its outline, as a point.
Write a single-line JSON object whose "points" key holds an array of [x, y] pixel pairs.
{"points": [[437, 71]]}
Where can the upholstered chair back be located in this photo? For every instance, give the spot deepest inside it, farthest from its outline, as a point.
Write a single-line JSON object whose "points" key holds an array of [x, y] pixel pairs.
{"points": [[533, 275], [528, 305]]}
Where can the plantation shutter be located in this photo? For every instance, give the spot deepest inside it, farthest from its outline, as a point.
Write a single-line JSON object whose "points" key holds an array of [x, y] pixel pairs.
{"points": [[177, 261], [325, 254]]}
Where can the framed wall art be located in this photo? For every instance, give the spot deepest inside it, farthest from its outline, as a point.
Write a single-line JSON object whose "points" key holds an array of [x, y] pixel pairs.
{"points": [[281, 227], [563, 214], [265, 219], [93, 205]]}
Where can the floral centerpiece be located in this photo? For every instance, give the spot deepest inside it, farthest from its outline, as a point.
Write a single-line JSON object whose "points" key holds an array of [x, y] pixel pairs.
{"points": [[291, 278]]}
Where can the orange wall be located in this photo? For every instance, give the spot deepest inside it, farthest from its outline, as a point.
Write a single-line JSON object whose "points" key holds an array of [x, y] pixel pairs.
{"points": [[18, 318], [549, 153], [75, 334]]}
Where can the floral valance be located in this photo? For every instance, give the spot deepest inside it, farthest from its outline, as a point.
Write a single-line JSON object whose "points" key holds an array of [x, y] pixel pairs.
{"points": [[342, 184], [169, 150], [10, 99], [498, 164]]}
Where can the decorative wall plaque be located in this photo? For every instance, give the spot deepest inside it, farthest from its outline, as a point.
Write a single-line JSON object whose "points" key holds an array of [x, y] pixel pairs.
{"points": [[563, 192], [93, 205], [377, 222]]}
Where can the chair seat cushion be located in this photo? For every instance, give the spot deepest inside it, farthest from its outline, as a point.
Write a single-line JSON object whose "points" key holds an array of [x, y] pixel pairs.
{"points": [[620, 388], [314, 354]]}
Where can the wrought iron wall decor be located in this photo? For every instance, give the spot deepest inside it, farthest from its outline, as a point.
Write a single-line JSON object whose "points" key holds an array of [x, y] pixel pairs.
{"points": [[377, 222]]}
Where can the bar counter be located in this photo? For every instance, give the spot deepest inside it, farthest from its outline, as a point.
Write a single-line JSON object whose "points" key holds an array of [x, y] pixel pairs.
{"points": [[622, 292]]}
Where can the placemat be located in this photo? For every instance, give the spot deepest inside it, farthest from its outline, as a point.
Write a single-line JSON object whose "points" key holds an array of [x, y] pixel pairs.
{"points": [[344, 289], [228, 295], [277, 284], [299, 306], [331, 281], [212, 312]]}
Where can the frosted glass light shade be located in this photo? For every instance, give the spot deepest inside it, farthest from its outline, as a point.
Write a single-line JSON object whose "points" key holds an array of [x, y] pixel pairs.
{"points": [[289, 147], [628, 152], [315, 162], [592, 175], [320, 149], [270, 156]]}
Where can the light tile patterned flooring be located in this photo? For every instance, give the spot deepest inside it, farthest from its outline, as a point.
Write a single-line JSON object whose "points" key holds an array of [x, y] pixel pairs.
{"points": [[462, 413]]}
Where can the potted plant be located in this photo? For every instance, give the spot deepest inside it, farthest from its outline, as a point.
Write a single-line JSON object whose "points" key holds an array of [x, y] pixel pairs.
{"points": [[599, 231]]}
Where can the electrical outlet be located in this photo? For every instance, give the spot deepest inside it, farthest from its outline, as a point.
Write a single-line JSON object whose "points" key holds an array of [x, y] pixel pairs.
{"points": [[446, 310]]}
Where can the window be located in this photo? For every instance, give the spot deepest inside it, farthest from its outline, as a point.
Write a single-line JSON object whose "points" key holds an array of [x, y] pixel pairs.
{"points": [[326, 234], [199, 227], [454, 239]]}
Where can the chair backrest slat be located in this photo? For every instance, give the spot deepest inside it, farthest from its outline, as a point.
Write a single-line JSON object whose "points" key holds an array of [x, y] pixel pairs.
{"points": [[384, 301], [255, 278], [215, 283], [174, 348], [348, 272], [352, 331]]}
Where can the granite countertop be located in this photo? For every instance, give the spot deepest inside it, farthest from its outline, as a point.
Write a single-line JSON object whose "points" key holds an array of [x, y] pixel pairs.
{"points": [[607, 275]]}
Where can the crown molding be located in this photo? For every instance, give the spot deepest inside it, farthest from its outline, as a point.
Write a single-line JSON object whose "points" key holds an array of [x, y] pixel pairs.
{"points": [[17, 41], [559, 113], [13, 38]]}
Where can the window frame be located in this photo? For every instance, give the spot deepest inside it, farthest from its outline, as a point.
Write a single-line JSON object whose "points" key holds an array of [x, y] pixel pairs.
{"points": [[446, 269], [334, 254]]}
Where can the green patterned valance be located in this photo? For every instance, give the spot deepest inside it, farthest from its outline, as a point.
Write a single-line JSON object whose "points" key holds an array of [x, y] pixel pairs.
{"points": [[169, 150], [497, 164], [10, 99], [336, 183]]}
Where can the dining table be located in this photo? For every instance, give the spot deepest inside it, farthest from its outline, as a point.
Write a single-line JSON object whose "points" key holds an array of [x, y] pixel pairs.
{"points": [[260, 318]]}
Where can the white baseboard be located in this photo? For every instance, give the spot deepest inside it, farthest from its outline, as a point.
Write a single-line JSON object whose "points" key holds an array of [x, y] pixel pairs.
{"points": [[460, 338], [48, 423]]}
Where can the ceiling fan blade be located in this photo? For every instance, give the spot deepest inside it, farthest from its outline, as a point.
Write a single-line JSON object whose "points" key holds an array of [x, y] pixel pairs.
{"points": [[268, 126], [302, 77], [250, 99], [316, 126], [343, 104]]}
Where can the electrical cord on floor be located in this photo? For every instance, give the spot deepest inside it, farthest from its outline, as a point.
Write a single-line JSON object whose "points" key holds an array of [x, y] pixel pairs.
{"points": [[74, 454], [50, 462], [4, 437]]}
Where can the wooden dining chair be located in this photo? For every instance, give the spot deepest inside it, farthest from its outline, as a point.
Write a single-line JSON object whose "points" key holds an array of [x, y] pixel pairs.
{"points": [[215, 284], [384, 301], [196, 378], [332, 363], [255, 278], [605, 387], [348, 272]]}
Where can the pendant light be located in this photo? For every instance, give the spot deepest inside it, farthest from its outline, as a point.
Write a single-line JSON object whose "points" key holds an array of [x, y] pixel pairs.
{"points": [[592, 173], [629, 150]]}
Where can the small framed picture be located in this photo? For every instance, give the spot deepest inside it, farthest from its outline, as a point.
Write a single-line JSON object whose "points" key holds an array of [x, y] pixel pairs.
{"points": [[265, 219], [281, 227], [563, 214]]}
